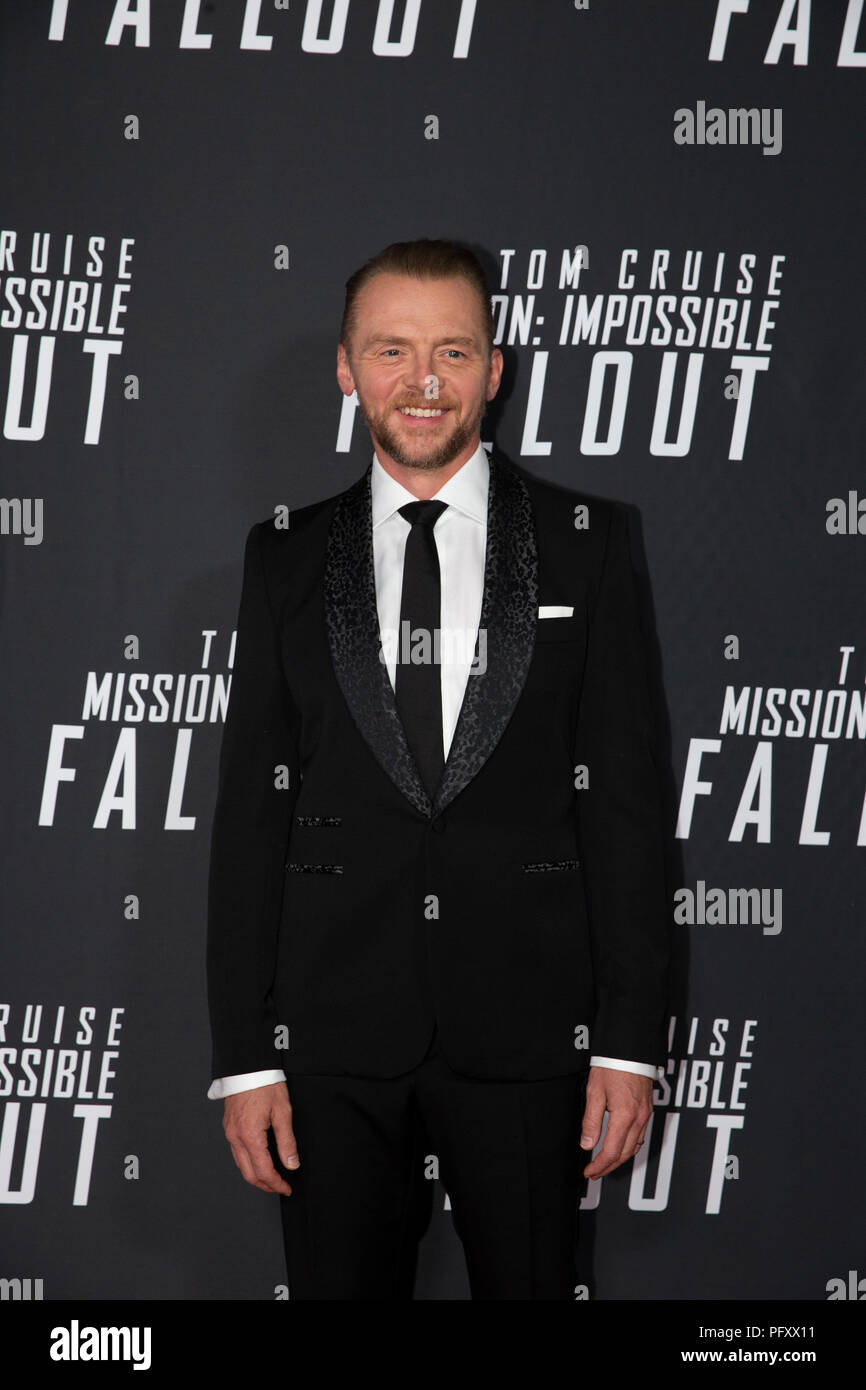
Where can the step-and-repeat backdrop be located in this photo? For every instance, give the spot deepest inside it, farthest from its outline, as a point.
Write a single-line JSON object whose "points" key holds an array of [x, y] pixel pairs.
{"points": [[668, 201]]}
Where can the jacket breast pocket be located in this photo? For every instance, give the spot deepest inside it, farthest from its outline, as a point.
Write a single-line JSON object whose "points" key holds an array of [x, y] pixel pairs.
{"points": [[559, 629], [559, 654]]}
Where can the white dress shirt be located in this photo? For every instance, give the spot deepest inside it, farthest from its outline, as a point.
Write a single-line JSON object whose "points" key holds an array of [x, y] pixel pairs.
{"points": [[461, 542]]}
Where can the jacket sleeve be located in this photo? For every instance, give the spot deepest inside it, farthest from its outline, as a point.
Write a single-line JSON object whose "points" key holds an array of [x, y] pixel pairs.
{"points": [[621, 818], [251, 824]]}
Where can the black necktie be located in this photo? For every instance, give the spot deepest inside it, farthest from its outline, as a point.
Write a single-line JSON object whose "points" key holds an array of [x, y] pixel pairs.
{"points": [[418, 683]]}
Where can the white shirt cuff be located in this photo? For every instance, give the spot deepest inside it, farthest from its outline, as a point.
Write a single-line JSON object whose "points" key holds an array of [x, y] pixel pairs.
{"points": [[243, 1081], [247, 1081], [617, 1064]]}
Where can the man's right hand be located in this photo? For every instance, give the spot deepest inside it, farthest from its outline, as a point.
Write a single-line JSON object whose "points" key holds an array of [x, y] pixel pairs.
{"points": [[247, 1117]]}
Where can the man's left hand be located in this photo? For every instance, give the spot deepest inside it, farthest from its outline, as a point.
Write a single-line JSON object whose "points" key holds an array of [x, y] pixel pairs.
{"points": [[628, 1099]]}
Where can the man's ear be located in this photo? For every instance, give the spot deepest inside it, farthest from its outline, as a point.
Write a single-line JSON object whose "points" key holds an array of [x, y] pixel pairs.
{"points": [[344, 371], [495, 373]]}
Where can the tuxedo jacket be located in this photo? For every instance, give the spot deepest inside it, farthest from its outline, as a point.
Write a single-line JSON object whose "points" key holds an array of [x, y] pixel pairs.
{"points": [[523, 907]]}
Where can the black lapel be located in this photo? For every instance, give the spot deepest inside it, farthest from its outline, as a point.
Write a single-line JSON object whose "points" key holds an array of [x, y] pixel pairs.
{"points": [[509, 611], [352, 619], [508, 615]]}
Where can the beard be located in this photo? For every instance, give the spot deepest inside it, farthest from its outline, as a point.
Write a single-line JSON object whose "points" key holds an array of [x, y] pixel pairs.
{"points": [[424, 459]]}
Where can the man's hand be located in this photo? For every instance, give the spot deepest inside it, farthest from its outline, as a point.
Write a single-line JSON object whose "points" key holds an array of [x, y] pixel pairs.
{"points": [[247, 1116], [628, 1098]]}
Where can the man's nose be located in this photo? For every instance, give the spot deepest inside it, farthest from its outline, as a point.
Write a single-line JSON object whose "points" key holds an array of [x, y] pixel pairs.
{"points": [[420, 373]]}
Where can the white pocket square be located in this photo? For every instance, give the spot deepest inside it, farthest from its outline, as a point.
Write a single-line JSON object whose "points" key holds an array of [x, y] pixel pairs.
{"points": [[555, 610]]}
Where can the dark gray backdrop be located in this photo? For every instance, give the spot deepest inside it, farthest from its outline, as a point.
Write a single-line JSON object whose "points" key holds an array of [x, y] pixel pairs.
{"points": [[555, 130]]}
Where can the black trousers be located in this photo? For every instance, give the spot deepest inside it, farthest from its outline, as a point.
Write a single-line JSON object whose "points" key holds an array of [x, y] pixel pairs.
{"points": [[508, 1155]]}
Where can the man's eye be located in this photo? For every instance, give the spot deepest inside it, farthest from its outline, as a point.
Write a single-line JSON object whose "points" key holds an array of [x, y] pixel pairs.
{"points": [[455, 352], [387, 350]]}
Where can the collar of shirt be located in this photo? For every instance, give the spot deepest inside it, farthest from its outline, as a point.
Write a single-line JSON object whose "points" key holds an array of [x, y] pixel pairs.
{"points": [[466, 491]]}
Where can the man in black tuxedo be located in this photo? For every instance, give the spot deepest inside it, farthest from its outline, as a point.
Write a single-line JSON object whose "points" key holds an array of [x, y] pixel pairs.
{"points": [[437, 904]]}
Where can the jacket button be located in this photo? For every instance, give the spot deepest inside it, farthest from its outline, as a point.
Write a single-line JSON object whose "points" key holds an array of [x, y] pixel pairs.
{"points": [[438, 825]]}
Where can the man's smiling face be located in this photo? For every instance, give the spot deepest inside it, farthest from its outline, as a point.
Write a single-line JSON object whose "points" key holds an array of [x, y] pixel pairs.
{"points": [[418, 360]]}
